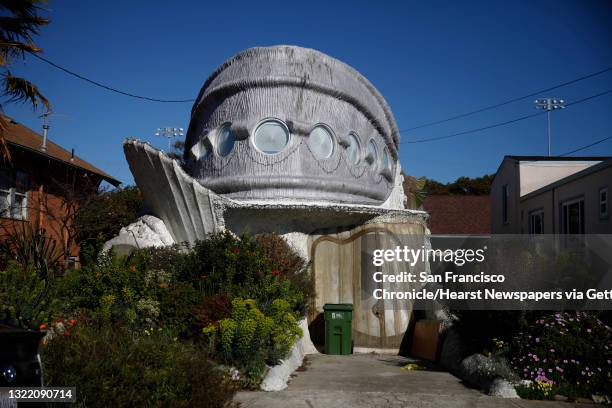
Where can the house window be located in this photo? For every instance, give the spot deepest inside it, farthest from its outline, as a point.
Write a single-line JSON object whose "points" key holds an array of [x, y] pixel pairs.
{"points": [[321, 142], [536, 222], [13, 194], [353, 150], [373, 151], [505, 195], [225, 140], [271, 136], [603, 203], [572, 217]]}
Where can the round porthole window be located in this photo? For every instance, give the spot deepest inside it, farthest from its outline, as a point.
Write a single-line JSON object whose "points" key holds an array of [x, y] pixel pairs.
{"points": [[271, 136], [386, 160], [225, 140], [353, 151], [373, 151], [321, 142], [199, 150]]}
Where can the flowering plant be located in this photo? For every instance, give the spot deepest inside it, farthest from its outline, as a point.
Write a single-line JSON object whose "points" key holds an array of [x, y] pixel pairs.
{"points": [[60, 327], [569, 353]]}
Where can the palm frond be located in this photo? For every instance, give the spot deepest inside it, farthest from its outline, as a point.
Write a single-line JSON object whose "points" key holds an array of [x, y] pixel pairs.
{"points": [[5, 153], [22, 8], [19, 23], [21, 90], [10, 50]]}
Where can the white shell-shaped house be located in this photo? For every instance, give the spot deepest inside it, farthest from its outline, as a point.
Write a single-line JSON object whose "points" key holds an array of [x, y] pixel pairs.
{"points": [[290, 140]]}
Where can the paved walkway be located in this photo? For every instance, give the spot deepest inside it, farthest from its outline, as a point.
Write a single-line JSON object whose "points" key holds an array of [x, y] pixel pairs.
{"points": [[369, 380]]}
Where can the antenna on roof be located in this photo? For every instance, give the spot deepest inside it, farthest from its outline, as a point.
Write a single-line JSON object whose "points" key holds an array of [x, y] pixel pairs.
{"points": [[45, 118]]}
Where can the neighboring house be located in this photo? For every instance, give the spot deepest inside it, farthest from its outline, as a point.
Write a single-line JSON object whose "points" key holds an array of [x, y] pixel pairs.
{"points": [[42, 186], [551, 195], [458, 214]]}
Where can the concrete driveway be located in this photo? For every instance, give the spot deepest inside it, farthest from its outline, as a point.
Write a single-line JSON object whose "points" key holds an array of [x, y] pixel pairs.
{"points": [[370, 380]]}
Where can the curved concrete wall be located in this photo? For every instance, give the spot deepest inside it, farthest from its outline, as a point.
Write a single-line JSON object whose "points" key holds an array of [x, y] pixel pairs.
{"points": [[302, 88]]}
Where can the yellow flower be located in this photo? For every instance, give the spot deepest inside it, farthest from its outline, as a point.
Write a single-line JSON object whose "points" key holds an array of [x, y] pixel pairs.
{"points": [[412, 367]]}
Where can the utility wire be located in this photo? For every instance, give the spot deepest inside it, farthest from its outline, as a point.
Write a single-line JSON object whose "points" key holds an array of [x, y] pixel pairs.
{"points": [[497, 105], [109, 88], [432, 139], [587, 146]]}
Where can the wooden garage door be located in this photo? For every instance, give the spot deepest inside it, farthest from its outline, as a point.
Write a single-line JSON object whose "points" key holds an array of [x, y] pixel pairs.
{"points": [[342, 273]]}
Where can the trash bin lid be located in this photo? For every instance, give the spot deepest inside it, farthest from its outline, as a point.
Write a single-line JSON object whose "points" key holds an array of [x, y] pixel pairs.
{"points": [[338, 306]]}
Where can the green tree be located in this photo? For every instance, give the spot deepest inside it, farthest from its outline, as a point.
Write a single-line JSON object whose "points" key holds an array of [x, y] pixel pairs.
{"points": [[462, 186], [19, 23], [101, 218]]}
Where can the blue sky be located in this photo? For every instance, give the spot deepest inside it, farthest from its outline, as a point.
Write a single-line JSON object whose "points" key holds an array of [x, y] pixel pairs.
{"points": [[430, 60]]}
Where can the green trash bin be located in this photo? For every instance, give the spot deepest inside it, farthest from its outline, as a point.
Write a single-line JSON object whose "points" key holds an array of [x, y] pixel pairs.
{"points": [[338, 337]]}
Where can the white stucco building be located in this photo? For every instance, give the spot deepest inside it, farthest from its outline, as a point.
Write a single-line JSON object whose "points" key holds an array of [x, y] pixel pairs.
{"points": [[551, 195]]}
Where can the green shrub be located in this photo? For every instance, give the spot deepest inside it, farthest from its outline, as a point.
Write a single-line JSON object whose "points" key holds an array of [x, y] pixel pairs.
{"points": [[26, 298], [212, 309], [289, 265], [175, 288], [29, 245], [569, 351], [111, 368], [238, 268], [121, 290], [538, 389], [249, 339], [100, 218]]}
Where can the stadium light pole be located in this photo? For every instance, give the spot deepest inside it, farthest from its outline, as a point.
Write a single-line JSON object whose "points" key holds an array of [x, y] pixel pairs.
{"points": [[169, 132], [549, 104]]}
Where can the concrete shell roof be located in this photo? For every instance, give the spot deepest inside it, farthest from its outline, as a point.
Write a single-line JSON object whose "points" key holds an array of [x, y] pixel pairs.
{"points": [[285, 65]]}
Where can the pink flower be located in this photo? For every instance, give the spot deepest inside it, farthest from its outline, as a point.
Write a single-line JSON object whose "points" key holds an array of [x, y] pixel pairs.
{"points": [[537, 339]]}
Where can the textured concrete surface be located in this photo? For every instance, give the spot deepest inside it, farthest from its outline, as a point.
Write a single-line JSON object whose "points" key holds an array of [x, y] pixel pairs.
{"points": [[277, 377], [368, 380], [301, 88]]}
